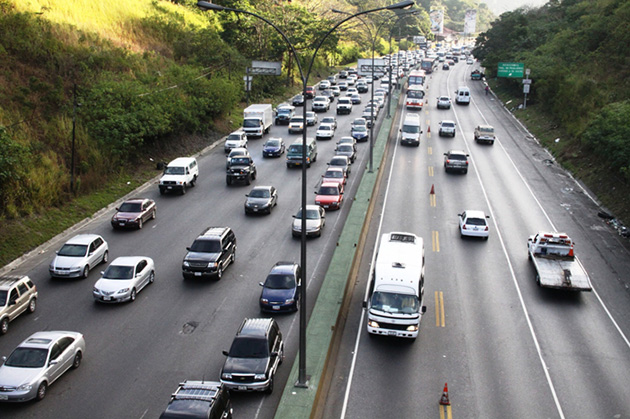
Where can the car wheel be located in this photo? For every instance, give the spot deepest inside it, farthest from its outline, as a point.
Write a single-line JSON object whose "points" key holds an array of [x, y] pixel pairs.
{"points": [[76, 362], [538, 279], [193, 181], [465, 171], [297, 305], [485, 238], [105, 257], [41, 391], [248, 181], [32, 305], [233, 257], [254, 176], [140, 224], [86, 271], [219, 273], [269, 388], [161, 191], [152, 278], [132, 297], [4, 326], [154, 215], [184, 189]]}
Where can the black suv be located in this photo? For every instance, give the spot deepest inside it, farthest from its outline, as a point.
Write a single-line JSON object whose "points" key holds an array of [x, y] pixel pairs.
{"points": [[241, 168], [253, 359], [210, 254], [199, 399]]}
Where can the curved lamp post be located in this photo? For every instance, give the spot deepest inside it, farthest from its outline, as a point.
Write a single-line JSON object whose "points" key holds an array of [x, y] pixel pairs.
{"points": [[302, 378], [389, 97]]}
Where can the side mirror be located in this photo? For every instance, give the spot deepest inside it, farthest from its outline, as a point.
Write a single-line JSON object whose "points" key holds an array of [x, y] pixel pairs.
{"points": [[102, 272], [261, 284], [424, 309], [364, 304], [226, 353], [274, 353], [247, 195], [188, 248], [53, 362]]}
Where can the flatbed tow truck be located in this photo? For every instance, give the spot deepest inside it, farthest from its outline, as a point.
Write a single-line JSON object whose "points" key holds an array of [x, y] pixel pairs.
{"points": [[556, 265]]}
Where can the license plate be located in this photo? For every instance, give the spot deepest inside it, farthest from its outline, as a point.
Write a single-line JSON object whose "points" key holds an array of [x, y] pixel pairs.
{"points": [[391, 333], [326, 206], [107, 298], [197, 273], [275, 307], [242, 388], [170, 187], [255, 209], [121, 224]]}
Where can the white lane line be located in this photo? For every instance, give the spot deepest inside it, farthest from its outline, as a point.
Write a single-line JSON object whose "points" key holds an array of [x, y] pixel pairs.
{"points": [[367, 287]]}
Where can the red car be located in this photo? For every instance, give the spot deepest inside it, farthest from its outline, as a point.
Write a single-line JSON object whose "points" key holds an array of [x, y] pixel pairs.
{"points": [[329, 195], [310, 92], [334, 175], [134, 212]]}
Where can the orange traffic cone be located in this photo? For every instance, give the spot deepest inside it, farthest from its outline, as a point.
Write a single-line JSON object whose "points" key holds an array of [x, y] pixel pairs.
{"points": [[444, 401], [428, 128], [571, 251], [432, 190]]}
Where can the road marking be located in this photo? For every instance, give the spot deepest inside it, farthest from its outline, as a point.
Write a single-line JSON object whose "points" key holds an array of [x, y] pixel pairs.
{"points": [[430, 171], [433, 200], [449, 414], [440, 317], [435, 240], [429, 150]]}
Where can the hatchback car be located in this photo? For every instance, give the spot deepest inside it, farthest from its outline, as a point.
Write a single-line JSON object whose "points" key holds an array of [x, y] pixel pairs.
{"points": [[456, 160], [334, 175], [447, 128], [37, 362], [360, 132], [133, 213], [281, 289], [473, 224], [254, 356], [234, 140], [273, 147], [325, 132], [18, 294], [236, 152], [343, 162], [315, 221], [123, 279], [444, 102], [78, 256], [261, 199], [329, 195]]}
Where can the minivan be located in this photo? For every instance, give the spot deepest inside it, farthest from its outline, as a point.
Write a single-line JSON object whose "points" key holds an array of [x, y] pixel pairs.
{"points": [[294, 153], [463, 96], [410, 132]]}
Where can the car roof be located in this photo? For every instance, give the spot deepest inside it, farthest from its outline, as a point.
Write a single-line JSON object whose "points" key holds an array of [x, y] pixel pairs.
{"points": [[127, 260], [283, 267], [7, 282], [457, 152], [346, 158], [45, 339], [135, 200], [262, 187], [83, 239], [325, 124], [334, 169], [485, 127], [330, 184], [181, 161], [447, 121], [255, 327], [475, 214], [238, 151]]}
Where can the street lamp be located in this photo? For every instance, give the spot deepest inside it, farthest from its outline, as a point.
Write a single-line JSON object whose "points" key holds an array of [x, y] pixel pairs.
{"points": [[302, 378], [389, 97]]}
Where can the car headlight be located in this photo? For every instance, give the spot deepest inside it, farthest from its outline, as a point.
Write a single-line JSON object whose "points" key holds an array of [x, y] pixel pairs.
{"points": [[96, 290], [290, 301], [75, 269], [186, 264], [25, 387], [264, 301], [226, 376], [412, 328], [212, 265], [122, 291], [260, 376], [373, 324]]}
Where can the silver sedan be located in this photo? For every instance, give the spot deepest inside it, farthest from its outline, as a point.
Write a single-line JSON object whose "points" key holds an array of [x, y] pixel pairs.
{"points": [[123, 279], [37, 362]]}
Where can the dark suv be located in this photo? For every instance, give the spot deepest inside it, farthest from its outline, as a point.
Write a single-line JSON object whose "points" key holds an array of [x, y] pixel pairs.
{"points": [[241, 169], [256, 352], [199, 399], [210, 254]]}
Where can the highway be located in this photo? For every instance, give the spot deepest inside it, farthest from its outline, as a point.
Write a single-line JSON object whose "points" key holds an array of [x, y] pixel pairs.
{"points": [[505, 347], [137, 353]]}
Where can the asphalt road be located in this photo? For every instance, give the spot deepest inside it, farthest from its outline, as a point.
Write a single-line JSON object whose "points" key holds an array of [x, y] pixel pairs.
{"points": [[138, 352], [506, 347]]}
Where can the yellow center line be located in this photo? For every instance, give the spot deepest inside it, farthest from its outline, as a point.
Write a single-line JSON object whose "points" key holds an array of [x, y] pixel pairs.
{"points": [[429, 150], [440, 318], [449, 413], [430, 171], [443, 309], [432, 200], [437, 309]]}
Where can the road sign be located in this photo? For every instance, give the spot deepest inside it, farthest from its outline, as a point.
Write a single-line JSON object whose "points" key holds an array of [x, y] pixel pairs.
{"points": [[365, 66], [512, 70], [527, 81], [266, 68], [526, 88]]}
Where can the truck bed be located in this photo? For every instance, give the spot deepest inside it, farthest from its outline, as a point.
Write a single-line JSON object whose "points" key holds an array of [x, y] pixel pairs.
{"points": [[560, 273]]}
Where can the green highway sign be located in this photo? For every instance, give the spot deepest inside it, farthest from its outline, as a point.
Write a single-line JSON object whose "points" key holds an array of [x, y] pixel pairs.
{"points": [[511, 70]]}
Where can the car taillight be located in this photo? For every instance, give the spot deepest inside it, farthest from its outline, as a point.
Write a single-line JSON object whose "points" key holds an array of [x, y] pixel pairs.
{"points": [[464, 227], [486, 229], [448, 161]]}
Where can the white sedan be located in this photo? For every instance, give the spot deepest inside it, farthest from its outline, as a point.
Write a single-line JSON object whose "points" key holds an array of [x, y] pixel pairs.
{"points": [[473, 224], [124, 278]]}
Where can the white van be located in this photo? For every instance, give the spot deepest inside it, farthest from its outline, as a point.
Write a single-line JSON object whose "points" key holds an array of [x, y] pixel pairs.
{"points": [[463, 95], [180, 174], [410, 132]]}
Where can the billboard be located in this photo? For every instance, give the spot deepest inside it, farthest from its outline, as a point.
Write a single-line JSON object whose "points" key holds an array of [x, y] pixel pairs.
{"points": [[470, 21], [364, 67], [437, 21]]}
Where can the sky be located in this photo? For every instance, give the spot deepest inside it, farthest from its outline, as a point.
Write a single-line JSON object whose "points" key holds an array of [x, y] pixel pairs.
{"points": [[500, 6]]}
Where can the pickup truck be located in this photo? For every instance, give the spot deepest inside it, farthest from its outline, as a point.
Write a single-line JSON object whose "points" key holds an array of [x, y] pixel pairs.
{"points": [[241, 169], [476, 75], [555, 263]]}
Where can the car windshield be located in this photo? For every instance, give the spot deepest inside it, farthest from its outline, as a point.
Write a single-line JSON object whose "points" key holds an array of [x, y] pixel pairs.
{"points": [[448, 124], [233, 137], [487, 130], [415, 94], [73, 250], [310, 115], [240, 160], [457, 157], [280, 282], [395, 303], [284, 111], [273, 143], [206, 246], [328, 120], [297, 120], [334, 174], [175, 170], [251, 123], [328, 190], [325, 128], [411, 129], [27, 358], [347, 148], [476, 221], [118, 272], [445, 99], [246, 347], [311, 214], [295, 148], [130, 207], [259, 193], [338, 162], [359, 128]]}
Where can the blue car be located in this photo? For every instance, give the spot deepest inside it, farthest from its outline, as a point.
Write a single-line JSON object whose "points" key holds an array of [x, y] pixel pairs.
{"points": [[360, 133], [273, 147], [280, 291]]}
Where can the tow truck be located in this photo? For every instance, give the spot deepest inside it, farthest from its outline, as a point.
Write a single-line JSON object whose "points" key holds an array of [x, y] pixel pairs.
{"points": [[476, 75], [555, 263]]}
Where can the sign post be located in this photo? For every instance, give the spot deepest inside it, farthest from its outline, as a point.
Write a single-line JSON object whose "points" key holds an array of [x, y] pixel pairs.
{"points": [[526, 84]]}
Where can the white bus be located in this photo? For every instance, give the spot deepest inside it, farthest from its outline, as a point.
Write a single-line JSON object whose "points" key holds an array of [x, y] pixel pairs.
{"points": [[415, 97]]}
